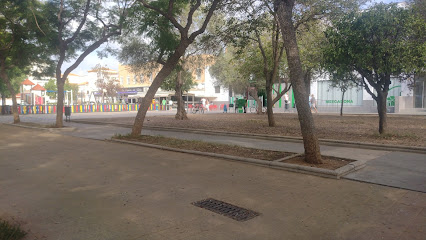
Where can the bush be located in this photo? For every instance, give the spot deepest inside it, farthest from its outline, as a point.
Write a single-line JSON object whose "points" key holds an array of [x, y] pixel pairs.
{"points": [[10, 231]]}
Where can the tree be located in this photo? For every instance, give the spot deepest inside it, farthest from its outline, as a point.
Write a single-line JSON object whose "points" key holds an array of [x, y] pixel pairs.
{"points": [[242, 72], [181, 81], [168, 13], [284, 9], [379, 43], [73, 88], [51, 87], [22, 46], [82, 27], [106, 84], [145, 57], [291, 15], [15, 77], [343, 81], [253, 30]]}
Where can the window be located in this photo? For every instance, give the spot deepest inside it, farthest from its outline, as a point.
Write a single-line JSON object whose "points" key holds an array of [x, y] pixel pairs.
{"points": [[128, 80], [135, 79], [217, 89], [121, 80], [198, 74], [150, 77], [141, 78]]}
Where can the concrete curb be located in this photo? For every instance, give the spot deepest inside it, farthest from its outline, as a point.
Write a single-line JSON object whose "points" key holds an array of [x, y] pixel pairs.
{"points": [[336, 174], [329, 142], [64, 129]]}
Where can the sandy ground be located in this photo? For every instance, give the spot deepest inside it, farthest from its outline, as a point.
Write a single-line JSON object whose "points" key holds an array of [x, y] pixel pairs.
{"points": [[68, 188]]}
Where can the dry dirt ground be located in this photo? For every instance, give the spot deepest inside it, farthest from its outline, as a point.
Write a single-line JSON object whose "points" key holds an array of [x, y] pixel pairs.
{"points": [[402, 129], [210, 147], [234, 150]]}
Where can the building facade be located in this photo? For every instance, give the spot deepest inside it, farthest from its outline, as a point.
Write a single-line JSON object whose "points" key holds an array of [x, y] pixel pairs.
{"points": [[136, 84]]}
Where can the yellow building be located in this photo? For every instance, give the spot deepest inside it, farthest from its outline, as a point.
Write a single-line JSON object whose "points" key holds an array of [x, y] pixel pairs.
{"points": [[136, 84], [144, 78]]}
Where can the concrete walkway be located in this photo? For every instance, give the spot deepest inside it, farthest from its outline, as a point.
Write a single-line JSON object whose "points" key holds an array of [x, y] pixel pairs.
{"points": [[64, 187], [389, 168], [396, 169]]}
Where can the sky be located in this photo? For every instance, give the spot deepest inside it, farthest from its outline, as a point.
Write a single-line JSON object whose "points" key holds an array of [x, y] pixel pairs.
{"points": [[111, 62]]}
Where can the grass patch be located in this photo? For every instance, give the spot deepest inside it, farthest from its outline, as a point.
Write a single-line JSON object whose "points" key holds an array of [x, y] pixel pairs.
{"points": [[10, 231], [202, 146], [395, 136], [256, 121]]}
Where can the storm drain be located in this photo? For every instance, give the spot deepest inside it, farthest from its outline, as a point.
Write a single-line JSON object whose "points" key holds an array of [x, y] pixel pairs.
{"points": [[226, 209]]}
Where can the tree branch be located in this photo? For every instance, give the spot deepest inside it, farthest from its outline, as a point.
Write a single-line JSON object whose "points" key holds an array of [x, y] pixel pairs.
{"points": [[368, 89], [286, 89], [35, 18], [206, 21], [265, 59], [166, 15], [80, 26], [89, 50], [191, 13]]}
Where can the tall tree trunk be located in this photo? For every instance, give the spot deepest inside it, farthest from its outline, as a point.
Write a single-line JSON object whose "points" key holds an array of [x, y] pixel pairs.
{"points": [[269, 104], [158, 80], [310, 140], [307, 80], [341, 104], [180, 113], [5, 78], [381, 108], [3, 103], [259, 106], [60, 104]]}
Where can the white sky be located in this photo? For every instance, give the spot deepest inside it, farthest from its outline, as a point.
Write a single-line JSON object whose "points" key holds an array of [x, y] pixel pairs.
{"points": [[111, 62]]}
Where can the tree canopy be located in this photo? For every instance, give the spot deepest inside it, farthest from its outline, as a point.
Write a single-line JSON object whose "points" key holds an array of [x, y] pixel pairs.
{"points": [[23, 45], [81, 27], [381, 42]]}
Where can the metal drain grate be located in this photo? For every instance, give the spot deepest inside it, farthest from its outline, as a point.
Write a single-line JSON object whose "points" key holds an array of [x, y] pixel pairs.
{"points": [[226, 209]]}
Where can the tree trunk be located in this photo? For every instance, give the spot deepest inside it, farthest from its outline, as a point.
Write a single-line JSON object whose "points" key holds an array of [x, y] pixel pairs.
{"points": [[3, 103], [180, 113], [5, 77], [60, 104], [341, 104], [269, 104], [259, 106], [310, 140], [158, 80], [381, 108], [307, 80]]}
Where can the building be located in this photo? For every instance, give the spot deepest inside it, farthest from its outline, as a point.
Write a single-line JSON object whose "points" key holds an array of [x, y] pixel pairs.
{"points": [[136, 84], [403, 97]]}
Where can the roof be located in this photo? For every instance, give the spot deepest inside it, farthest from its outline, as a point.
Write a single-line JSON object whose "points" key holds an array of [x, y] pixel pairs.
{"points": [[103, 69], [27, 82], [72, 75], [38, 87]]}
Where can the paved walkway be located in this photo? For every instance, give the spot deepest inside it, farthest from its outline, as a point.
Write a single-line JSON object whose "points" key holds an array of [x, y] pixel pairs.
{"points": [[396, 169], [64, 187]]}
